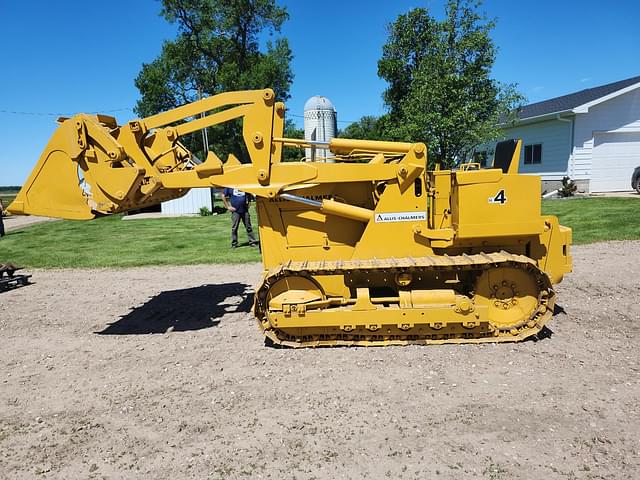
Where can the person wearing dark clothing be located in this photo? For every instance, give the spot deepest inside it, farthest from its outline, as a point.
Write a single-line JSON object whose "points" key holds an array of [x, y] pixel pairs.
{"points": [[1, 219], [237, 202]]}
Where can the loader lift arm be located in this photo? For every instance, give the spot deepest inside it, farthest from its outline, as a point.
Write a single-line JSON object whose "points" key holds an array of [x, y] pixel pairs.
{"points": [[92, 166]]}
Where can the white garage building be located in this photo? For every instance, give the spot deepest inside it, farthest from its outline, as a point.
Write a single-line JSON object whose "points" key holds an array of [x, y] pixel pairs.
{"points": [[592, 136], [190, 204]]}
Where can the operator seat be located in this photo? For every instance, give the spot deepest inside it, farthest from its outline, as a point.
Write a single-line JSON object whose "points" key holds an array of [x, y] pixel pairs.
{"points": [[504, 154]]}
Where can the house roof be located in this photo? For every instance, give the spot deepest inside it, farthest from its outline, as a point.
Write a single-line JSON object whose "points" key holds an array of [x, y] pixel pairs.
{"points": [[574, 100]]}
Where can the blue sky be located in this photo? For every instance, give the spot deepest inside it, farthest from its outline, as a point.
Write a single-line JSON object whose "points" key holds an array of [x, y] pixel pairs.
{"points": [[68, 56]]}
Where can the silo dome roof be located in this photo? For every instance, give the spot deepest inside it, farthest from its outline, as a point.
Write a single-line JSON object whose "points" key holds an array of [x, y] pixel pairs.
{"points": [[318, 102]]}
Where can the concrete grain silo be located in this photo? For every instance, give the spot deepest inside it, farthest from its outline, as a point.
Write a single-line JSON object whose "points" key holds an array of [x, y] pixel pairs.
{"points": [[320, 125]]}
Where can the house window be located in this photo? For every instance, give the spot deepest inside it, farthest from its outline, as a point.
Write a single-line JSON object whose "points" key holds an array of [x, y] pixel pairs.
{"points": [[533, 154]]}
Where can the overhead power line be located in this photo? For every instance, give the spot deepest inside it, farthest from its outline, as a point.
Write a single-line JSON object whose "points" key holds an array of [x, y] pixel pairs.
{"points": [[114, 110], [63, 114], [339, 121]]}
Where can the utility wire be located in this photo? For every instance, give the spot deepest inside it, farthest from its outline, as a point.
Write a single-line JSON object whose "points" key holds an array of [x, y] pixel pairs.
{"points": [[62, 114], [126, 109], [339, 121]]}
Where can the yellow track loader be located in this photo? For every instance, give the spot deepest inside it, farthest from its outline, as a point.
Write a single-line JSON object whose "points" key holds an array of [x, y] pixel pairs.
{"points": [[368, 249]]}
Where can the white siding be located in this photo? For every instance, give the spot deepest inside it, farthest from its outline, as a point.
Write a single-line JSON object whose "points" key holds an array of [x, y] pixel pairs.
{"points": [[190, 204], [555, 137], [620, 114]]}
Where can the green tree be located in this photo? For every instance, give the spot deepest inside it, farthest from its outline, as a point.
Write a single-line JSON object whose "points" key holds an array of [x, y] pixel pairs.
{"points": [[217, 49], [440, 87], [292, 154], [367, 128]]}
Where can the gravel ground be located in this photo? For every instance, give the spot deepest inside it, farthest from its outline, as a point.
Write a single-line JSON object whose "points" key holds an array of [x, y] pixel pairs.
{"points": [[162, 373], [13, 222]]}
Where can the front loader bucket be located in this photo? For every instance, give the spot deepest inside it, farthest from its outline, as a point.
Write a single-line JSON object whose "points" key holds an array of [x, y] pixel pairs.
{"points": [[53, 188], [87, 170], [93, 166]]}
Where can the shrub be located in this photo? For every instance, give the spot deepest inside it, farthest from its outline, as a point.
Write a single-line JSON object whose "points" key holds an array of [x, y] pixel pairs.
{"points": [[568, 188], [205, 212]]}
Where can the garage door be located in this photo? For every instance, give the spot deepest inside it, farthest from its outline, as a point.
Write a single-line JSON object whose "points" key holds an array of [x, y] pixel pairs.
{"points": [[615, 156]]}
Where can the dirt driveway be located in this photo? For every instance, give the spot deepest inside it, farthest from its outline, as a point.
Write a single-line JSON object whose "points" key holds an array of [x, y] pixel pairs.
{"points": [[14, 222], [124, 374]]}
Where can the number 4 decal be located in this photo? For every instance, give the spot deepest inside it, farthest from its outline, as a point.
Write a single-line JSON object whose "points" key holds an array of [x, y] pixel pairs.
{"points": [[499, 197]]}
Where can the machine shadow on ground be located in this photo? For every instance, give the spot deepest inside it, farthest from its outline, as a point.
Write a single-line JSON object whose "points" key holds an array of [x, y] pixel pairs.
{"points": [[558, 309], [546, 332], [184, 310], [543, 334]]}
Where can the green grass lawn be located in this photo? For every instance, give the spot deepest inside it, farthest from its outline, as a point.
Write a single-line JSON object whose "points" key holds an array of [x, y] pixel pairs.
{"points": [[597, 219], [113, 242]]}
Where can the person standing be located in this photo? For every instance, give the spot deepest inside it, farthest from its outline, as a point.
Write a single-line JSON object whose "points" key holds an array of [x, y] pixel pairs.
{"points": [[237, 202], [1, 219]]}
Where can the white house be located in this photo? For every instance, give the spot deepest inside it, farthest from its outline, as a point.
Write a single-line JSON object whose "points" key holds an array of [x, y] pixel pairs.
{"points": [[591, 136]]}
